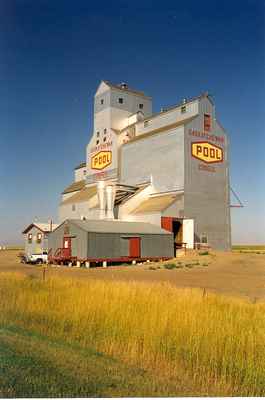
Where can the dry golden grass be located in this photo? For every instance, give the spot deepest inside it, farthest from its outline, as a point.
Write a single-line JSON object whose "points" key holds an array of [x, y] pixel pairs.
{"points": [[218, 341]]}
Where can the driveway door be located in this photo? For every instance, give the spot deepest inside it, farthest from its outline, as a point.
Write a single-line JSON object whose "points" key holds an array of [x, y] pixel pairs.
{"points": [[135, 247]]}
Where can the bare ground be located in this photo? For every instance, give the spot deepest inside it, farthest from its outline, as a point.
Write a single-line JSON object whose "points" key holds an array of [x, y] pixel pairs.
{"points": [[236, 274]]}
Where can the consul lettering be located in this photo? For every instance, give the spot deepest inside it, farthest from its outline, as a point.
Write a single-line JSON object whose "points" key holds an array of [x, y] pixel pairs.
{"points": [[101, 160], [207, 152]]}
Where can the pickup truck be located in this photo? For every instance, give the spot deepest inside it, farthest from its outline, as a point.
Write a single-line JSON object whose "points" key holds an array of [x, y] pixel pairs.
{"points": [[40, 258]]}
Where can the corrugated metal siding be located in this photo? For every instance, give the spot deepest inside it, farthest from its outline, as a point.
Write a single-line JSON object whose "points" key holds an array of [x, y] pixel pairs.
{"points": [[158, 246], [117, 245], [207, 193], [105, 245], [160, 156], [78, 241]]}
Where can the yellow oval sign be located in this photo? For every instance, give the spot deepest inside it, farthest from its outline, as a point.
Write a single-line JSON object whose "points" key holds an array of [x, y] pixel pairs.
{"points": [[101, 160], [207, 152]]}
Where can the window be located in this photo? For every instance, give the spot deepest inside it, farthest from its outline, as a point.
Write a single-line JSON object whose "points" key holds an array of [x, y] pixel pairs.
{"points": [[141, 106], [105, 131], [97, 134], [39, 237], [104, 139], [84, 172], [120, 100], [146, 123], [183, 109], [102, 101], [73, 207], [30, 238], [97, 142], [207, 122], [204, 238]]}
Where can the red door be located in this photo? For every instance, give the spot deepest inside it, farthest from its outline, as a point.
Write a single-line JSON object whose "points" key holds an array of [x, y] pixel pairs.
{"points": [[167, 223], [135, 247], [67, 247]]}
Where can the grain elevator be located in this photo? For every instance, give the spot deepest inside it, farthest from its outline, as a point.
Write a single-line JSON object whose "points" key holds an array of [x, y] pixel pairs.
{"points": [[169, 169]]}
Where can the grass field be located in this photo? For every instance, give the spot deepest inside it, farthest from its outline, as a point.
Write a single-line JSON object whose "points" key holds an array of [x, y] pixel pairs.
{"points": [[249, 248], [71, 337]]}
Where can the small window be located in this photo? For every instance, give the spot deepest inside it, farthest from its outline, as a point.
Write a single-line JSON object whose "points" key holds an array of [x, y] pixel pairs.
{"points": [[141, 106], [97, 142], [120, 100], [104, 139], [73, 207], [207, 122], [204, 238], [183, 109], [30, 238], [105, 131], [97, 134], [146, 123], [84, 172], [39, 237], [102, 101]]}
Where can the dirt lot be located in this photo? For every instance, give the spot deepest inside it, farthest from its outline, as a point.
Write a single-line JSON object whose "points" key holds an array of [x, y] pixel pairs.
{"points": [[236, 274]]}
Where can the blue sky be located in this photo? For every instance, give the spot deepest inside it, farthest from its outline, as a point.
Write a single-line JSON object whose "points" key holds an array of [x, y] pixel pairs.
{"points": [[53, 54]]}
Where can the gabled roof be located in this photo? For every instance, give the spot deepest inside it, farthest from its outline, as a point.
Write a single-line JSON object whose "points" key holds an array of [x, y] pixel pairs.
{"points": [[43, 227], [75, 186], [83, 195], [124, 89], [117, 226], [164, 128]]}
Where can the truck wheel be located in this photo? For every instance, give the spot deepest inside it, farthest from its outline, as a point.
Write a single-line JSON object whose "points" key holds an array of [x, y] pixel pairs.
{"points": [[39, 261]]}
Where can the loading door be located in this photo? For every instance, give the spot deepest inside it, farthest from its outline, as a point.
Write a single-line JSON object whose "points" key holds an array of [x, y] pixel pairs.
{"points": [[135, 247], [67, 247]]}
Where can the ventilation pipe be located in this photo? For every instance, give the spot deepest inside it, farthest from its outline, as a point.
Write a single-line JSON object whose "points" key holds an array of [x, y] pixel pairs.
{"points": [[101, 199], [110, 194]]}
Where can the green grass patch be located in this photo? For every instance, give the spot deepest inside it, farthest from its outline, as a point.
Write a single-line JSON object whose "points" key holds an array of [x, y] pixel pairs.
{"points": [[34, 366]]}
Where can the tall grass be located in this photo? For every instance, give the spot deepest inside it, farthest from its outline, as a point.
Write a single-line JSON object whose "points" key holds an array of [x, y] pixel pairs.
{"points": [[218, 341]]}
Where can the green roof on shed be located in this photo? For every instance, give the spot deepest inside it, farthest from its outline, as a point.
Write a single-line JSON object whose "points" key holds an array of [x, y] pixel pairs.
{"points": [[116, 226]]}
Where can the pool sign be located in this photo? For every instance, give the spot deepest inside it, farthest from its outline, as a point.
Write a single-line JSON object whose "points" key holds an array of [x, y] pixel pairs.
{"points": [[207, 152], [101, 160]]}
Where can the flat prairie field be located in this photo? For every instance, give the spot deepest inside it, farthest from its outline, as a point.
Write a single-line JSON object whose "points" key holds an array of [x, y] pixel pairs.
{"points": [[232, 273], [191, 326]]}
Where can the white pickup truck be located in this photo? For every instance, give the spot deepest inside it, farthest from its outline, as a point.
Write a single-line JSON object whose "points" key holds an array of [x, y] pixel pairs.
{"points": [[41, 258]]}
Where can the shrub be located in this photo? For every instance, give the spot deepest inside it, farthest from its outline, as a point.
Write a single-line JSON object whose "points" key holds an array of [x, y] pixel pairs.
{"points": [[170, 266]]}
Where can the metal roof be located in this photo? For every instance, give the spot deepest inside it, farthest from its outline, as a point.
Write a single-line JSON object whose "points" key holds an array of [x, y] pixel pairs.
{"points": [[81, 165], [116, 226], [154, 204], [74, 187], [83, 195]]}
